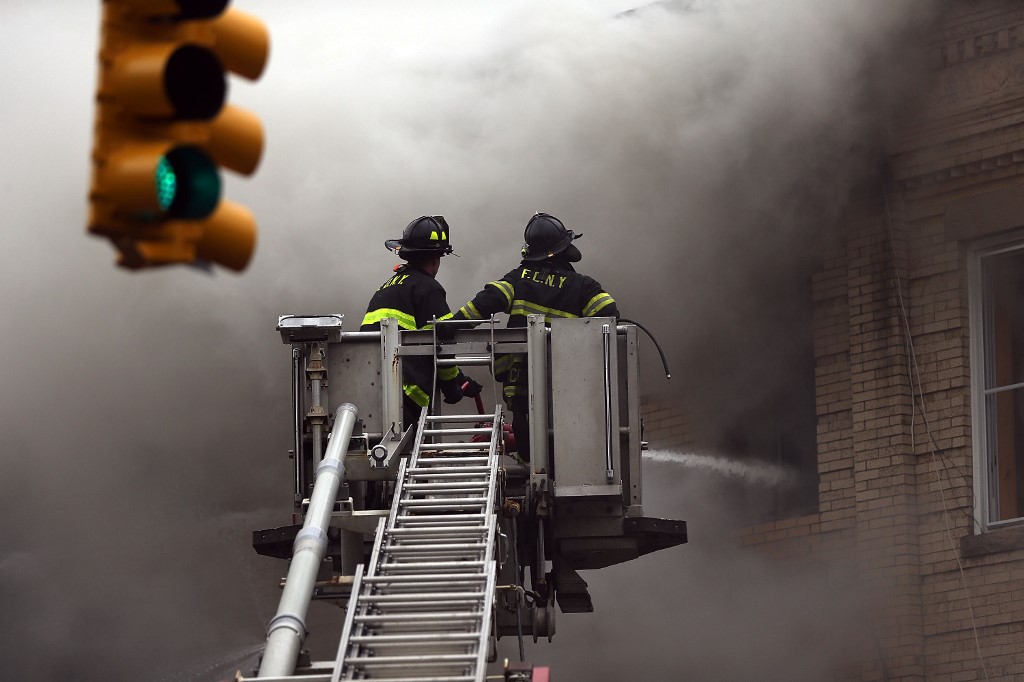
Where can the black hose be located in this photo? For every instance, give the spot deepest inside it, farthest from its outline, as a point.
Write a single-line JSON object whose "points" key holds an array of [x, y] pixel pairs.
{"points": [[664, 362]]}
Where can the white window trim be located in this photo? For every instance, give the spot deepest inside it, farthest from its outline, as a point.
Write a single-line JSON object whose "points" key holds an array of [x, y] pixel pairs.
{"points": [[1008, 243]]}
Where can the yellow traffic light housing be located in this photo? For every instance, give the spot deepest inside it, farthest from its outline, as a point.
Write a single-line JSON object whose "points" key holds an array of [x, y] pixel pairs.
{"points": [[163, 131]]}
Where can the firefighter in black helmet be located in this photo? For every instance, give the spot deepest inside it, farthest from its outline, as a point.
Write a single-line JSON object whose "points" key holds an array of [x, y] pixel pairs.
{"points": [[545, 283], [414, 298]]}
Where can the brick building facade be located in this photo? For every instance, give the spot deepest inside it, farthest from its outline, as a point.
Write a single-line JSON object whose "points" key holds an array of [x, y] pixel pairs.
{"points": [[919, 353]]}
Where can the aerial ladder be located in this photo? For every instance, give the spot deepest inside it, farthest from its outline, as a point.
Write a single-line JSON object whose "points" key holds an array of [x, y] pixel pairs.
{"points": [[432, 538], [424, 606]]}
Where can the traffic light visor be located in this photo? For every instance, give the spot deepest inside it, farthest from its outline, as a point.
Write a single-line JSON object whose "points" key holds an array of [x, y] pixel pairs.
{"points": [[228, 236], [176, 9]]}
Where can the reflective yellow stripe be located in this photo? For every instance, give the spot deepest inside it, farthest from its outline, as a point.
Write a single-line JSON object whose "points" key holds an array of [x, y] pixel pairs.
{"points": [[405, 321], [430, 325], [520, 307], [596, 303], [503, 363], [505, 288], [447, 373], [509, 391], [470, 312], [416, 394]]}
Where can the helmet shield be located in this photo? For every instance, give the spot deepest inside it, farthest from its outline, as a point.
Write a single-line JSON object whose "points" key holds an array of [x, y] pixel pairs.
{"points": [[425, 236], [546, 237]]}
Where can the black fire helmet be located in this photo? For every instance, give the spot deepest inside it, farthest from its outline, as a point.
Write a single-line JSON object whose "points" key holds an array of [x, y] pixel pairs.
{"points": [[425, 236], [546, 236]]}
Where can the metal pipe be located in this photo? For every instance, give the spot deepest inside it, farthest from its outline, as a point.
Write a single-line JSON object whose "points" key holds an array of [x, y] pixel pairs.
{"points": [[287, 631], [297, 421], [359, 335], [609, 465], [317, 426], [317, 414], [464, 360]]}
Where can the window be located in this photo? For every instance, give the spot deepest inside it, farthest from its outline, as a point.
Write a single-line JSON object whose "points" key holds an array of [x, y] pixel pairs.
{"points": [[997, 368]]}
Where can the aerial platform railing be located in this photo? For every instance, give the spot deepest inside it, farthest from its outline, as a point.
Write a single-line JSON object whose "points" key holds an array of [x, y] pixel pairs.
{"points": [[582, 373]]}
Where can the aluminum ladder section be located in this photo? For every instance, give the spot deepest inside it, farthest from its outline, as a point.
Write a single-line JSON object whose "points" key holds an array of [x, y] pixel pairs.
{"points": [[422, 612]]}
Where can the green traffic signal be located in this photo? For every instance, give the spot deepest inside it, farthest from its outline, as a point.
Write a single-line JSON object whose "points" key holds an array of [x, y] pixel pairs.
{"points": [[187, 183], [166, 183]]}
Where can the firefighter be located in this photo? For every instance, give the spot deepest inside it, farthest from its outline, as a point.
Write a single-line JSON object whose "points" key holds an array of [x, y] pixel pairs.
{"points": [[414, 298], [546, 283]]}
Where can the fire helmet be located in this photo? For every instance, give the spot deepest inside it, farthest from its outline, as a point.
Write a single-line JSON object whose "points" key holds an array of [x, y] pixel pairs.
{"points": [[546, 236], [425, 236]]}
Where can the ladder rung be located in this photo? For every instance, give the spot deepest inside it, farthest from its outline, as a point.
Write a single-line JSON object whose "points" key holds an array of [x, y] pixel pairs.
{"points": [[448, 583], [441, 502], [427, 618], [412, 606], [437, 557], [324, 678], [451, 519], [431, 544], [481, 430], [461, 579], [440, 521], [451, 472], [442, 418], [448, 463], [397, 562], [442, 532], [417, 648], [419, 549], [452, 447], [367, 661], [467, 486], [413, 638], [435, 596], [433, 565], [420, 534], [432, 678], [445, 508]]}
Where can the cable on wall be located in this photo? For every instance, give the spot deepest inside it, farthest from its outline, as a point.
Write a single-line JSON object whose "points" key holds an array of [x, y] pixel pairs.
{"points": [[914, 375]]}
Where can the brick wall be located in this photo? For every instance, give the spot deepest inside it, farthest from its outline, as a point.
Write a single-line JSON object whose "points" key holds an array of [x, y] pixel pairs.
{"points": [[894, 418]]}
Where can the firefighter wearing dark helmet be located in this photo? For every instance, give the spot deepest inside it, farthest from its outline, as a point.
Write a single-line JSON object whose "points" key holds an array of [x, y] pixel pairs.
{"points": [[414, 298], [544, 283]]}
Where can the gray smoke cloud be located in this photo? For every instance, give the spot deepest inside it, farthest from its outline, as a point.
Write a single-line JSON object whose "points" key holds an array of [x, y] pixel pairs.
{"points": [[706, 149], [711, 610]]}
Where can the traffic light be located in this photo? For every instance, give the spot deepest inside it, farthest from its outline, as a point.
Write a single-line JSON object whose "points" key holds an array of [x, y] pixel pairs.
{"points": [[163, 131]]}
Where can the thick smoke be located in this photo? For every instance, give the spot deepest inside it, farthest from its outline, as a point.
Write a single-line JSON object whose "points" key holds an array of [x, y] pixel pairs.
{"points": [[710, 610], [705, 148]]}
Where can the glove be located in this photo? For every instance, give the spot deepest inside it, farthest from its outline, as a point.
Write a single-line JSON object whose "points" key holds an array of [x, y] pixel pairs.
{"points": [[452, 392], [470, 387]]}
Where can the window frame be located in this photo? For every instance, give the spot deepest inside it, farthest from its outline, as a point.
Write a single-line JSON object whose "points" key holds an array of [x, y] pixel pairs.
{"points": [[980, 436]]}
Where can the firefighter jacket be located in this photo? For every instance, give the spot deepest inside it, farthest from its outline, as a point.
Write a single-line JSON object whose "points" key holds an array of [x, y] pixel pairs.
{"points": [[413, 298], [549, 287]]}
